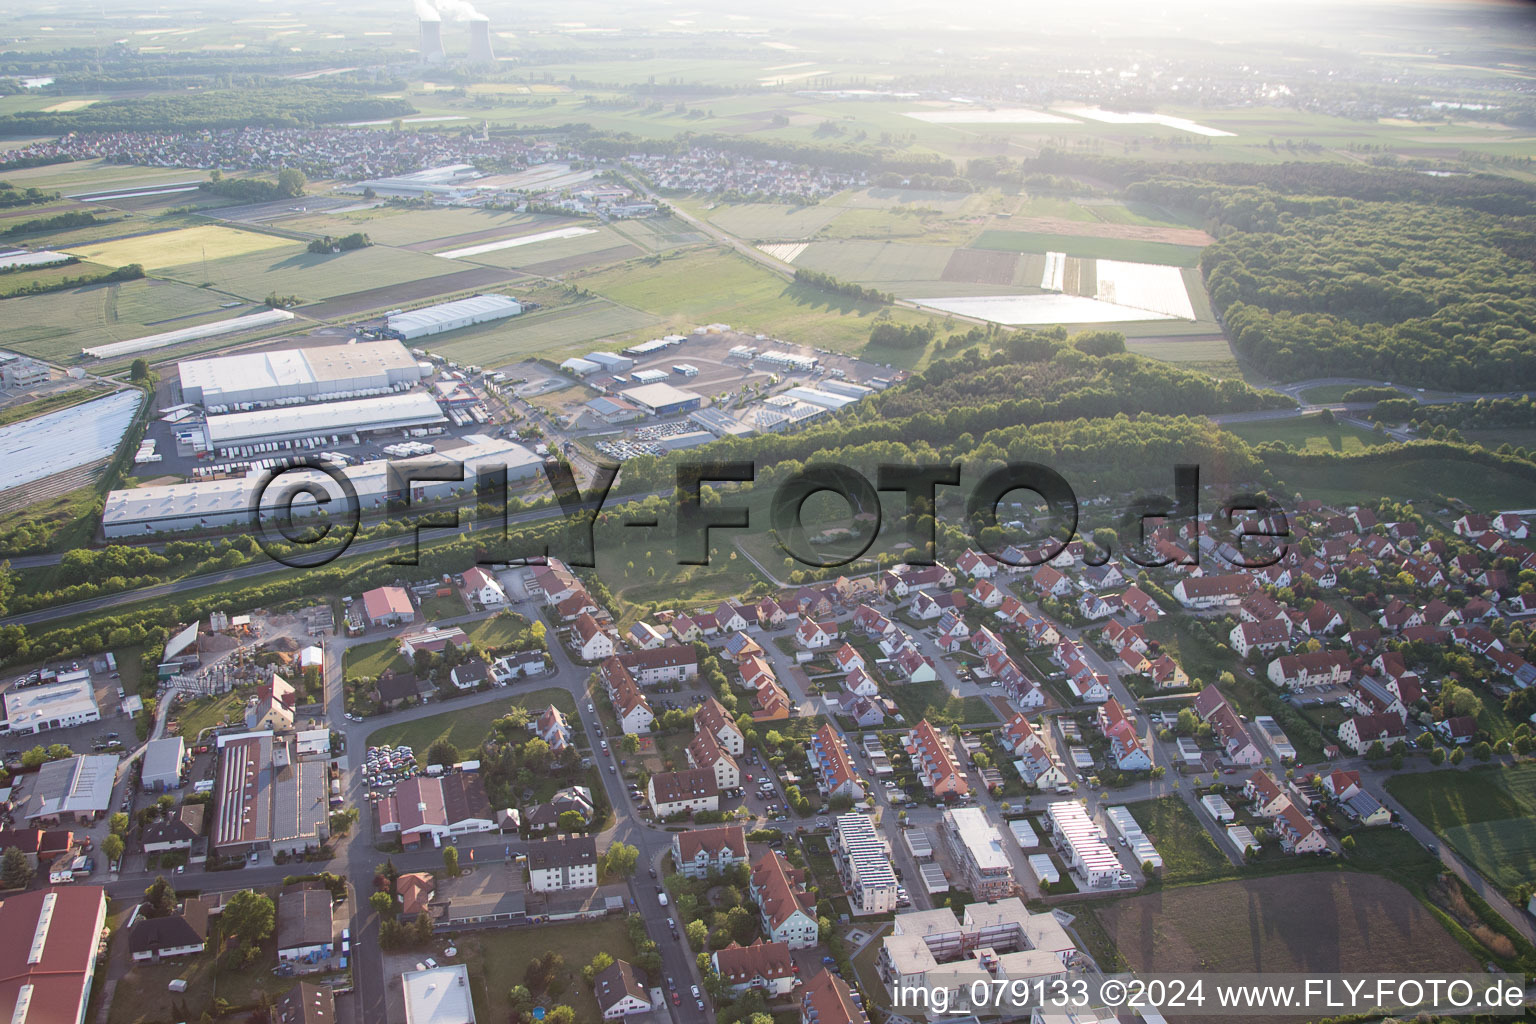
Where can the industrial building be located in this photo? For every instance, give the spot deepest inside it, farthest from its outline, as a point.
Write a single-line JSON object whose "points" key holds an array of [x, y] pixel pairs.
{"points": [[662, 399], [438, 996], [33, 709], [161, 767], [75, 788], [268, 800], [49, 941], [864, 861], [388, 412], [307, 374], [210, 504], [611, 361], [447, 182], [580, 367], [54, 442], [450, 316]]}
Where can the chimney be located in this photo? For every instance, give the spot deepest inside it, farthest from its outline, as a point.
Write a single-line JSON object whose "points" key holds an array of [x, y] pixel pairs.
{"points": [[432, 42], [480, 51]]}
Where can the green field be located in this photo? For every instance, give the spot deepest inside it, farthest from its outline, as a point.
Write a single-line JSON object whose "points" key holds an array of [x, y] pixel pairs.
{"points": [[368, 661], [880, 264], [1188, 851], [467, 727], [1411, 479], [497, 958], [389, 225], [1488, 815], [771, 222], [58, 325], [311, 276], [162, 250], [555, 332], [1308, 433], [705, 286], [1127, 249]]}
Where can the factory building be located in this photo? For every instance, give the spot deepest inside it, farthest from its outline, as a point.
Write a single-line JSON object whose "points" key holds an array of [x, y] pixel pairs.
{"points": [[298, 373], [580, 367], [611, 361], [450, 316], [211, 504], [386, 412], [663, 399]]}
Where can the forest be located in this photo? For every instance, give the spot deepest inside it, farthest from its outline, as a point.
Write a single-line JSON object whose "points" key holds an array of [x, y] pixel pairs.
{"points": [[287, 106]]}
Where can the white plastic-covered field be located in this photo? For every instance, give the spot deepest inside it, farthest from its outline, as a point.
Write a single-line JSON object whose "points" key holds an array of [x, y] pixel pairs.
{"points": [[786, 252], [574, 231], [1146, 286], [77, 436], [1010, 115], [1047, 308]]}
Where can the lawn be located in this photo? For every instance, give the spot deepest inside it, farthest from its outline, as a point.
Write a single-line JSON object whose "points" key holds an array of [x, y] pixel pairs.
{"points": [[141, 994], [1488, 815], [1188, 851], [711, 285], [1308, 433], [934, 701], [496, 959], [1130, 250], [164, 249], [448, 607], [467, 727], [1308, 922], [368, 661]]}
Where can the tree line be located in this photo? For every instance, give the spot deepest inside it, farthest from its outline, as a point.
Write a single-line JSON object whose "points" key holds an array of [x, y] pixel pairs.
{"points": [[827, 283], [131, 272], [275, 106]]}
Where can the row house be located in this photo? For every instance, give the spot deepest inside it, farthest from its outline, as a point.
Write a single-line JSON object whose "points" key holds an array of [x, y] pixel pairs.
{"points": [[1236, 742], [1125, 746], [1035, 763], [712, 718], [934, 761], [676, 663], [905, 580], [1205, 592], [699, 851], [834, 765], [1314, 669], [1268, 637], [1022, 690], [787, 910], [704, 751]]}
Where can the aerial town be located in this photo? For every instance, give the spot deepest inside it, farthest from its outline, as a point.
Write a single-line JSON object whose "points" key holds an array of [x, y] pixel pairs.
{"points": [[773, 517]]}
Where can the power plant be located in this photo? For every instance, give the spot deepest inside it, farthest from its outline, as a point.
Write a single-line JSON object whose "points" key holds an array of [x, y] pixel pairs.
{"points": [[480, 51], [432, 42]]}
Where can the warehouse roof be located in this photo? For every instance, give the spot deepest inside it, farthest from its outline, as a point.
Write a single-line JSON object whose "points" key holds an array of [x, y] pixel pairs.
{"points": [[431, 316], [371, 480], [76, 785], [410, 407], [293, 367], [82, 434], [26, 706], [656, 396]]}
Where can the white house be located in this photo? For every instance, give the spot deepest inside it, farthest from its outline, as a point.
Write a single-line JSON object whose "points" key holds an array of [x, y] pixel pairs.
{"points": [[481, 586], [562, 863]]}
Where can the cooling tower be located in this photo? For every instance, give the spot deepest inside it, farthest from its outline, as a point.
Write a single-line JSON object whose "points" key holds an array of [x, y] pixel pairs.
{"points": [[480, 51], [432, 42]]}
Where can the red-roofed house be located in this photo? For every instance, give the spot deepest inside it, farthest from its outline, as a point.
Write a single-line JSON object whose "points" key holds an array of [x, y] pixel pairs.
{"points": [[388, 606], [787, 910]]}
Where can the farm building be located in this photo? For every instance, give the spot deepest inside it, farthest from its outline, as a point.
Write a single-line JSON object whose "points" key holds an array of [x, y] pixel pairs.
{"points": [[451, 316], [611, 361], [387, 412], [298, 373], [662, 399], [580, 367], [208, 504]]}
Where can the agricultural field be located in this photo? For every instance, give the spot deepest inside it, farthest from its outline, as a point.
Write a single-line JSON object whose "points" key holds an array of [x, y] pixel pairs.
{"points": [[1308, 434], [312, 276], [769, 222], [555, 332], [392, 225], [1127, 249], [877, 264], [162, 250], [1409, 479], [1487, 815], [58, 324], [710, 285], [1303, 922]]}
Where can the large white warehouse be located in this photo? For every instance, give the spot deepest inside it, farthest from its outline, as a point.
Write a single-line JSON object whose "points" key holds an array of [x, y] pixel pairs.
{"points": [[332, 370], [387, 412], [210, 504], [450, 316]]}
